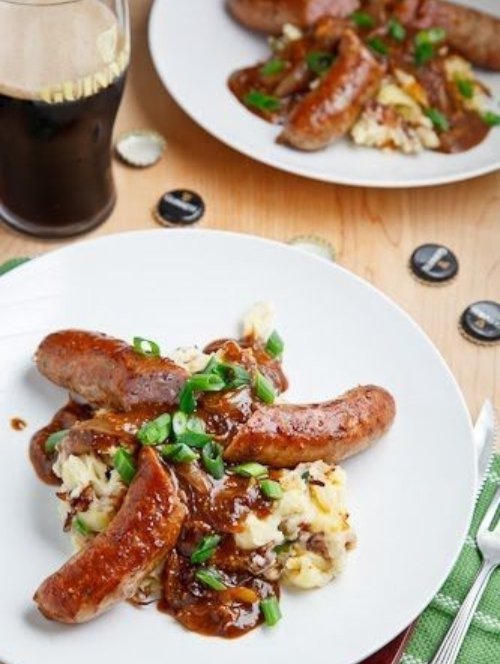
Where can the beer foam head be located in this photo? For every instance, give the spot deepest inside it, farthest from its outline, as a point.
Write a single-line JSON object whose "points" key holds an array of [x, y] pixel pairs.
{"points": [[58, 50]]}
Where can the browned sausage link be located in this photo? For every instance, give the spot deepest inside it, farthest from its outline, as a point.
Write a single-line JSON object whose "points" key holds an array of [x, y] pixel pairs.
{"points": [[283, 436], [107, 372], [110, 568], [329, 111], [474, 34], [271, 15]]}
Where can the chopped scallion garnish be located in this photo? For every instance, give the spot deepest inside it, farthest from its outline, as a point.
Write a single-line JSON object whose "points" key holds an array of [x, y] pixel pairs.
{"points": [[80, 526], [396, 30], [146, 347], [492, 119], [271, 489], [179, 423], [262, 101], [275, 345], [233, 375], [264, 389], [272, 67], [53, 440], [179, 453], [362, 19], [439, 120], [270, 610], [155, 431], [378, 45], [194, 439], [211, 457], [124, 464], [319, 62], [187, 401], [211, 578], [251, 469], [195, 424], [206, 382], [423, 54], [465, 87], [205, 549], [432, 36]]}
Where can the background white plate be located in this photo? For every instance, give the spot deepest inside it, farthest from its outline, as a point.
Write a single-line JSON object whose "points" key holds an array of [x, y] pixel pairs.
{"points": [[410, 496], [195, 45]]}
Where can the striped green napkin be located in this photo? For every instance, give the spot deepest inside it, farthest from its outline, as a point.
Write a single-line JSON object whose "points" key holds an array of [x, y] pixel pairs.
{"points": [[11, 264], [482, 644]]}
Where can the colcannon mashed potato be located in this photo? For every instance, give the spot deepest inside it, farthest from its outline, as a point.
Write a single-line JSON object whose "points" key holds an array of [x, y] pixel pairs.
{"points": [[308, 528]]}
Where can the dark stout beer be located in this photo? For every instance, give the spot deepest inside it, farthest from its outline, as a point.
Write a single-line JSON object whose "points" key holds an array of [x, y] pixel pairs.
{"points": [[56, 121]]}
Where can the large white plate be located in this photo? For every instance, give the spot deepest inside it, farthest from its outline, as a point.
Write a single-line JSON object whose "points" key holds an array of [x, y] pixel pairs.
{"points": [[196, 45], [410, 496]]}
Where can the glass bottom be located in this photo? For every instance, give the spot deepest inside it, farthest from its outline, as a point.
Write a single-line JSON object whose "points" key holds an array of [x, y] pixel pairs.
{"points": [[56, 232]]}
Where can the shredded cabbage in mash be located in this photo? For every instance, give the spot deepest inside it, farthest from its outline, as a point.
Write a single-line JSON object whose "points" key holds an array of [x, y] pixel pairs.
{"points": [[309, 525]]}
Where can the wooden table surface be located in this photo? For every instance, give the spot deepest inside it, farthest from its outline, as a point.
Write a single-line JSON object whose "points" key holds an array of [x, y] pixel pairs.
{"points": [[374, 231]]}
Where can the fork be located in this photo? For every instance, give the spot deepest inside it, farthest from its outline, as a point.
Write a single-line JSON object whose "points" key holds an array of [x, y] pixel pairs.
{"points": [[488, 542]]}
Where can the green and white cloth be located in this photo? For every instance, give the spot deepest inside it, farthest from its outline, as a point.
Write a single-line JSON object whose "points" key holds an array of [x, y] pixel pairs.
{"points": [[482, 644]]}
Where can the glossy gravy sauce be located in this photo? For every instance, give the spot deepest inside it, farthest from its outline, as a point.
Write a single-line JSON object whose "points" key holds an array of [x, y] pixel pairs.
{"points": [[217, 506]]}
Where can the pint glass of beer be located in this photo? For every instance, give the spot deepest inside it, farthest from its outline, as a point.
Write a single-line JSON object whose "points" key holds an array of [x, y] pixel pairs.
{"points": [[62, 73]]}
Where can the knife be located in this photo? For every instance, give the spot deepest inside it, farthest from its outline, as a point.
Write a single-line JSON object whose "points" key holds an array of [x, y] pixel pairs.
{"points": [[484, 442]]}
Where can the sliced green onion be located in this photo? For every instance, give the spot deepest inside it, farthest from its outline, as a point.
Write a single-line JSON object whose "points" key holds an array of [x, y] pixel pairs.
{"points": [[282, 548], [362, 19], [233, 375], [211, 578], [271, 489], [187, 401], [491, 119], [195, 424], [179, 423], [205, 549], [124, 464], [439, 120], [273, 67], [251, 469], [319, 62], [53, 440], [423, 54], [206, 382], [80, 526], [194, 439], [270, 610], [465, 87], [396, 30], [378, 45], [155, 431], [431, 36], [211, 457], [275, 345], [262, 101], [264, 389], [146, 347], [179, 453]]}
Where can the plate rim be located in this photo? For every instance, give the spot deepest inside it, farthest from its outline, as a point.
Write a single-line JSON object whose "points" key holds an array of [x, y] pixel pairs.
{"points": [[412, 183], [282, 246]]}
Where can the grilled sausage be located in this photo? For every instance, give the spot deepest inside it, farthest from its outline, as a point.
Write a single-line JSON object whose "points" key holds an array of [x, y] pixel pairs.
{"points": [[107, 372], [329, 111], [472, 33], [110, 568], [271, 15], [283, 436]]}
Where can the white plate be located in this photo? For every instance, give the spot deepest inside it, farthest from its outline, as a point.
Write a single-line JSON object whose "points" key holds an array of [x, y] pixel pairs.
{"points": [[195, 45], [410, 495]]}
